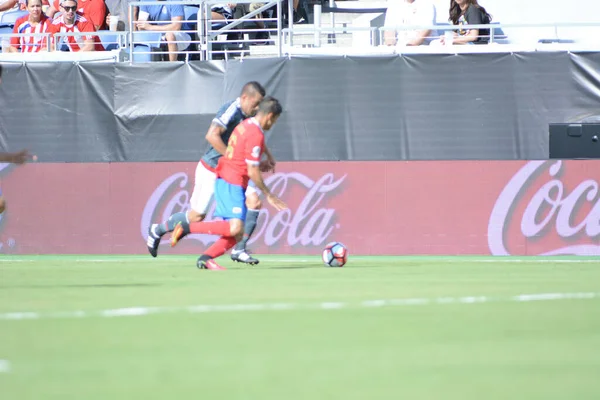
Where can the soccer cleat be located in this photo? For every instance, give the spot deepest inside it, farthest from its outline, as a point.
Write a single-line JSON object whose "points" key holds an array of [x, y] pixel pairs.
{"points": [[177, 235], [209, 264], [153, 240], [243, 257]]}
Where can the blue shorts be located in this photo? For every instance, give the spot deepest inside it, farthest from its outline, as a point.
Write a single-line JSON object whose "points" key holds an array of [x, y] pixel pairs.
{"points": [[230, 199]]}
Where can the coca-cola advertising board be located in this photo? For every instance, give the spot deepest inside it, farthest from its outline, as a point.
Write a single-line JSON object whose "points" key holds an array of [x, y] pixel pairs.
{"points": [[416, 207]]}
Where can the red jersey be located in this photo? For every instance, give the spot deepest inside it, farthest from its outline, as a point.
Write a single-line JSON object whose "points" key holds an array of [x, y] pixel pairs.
{"points": [[245, 146], [81, 24], [31, 44], [92, 10]]}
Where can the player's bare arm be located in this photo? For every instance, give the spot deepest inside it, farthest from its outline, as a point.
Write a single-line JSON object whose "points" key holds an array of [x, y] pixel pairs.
{"points": [[17, 158], [214, 136], [256, 176], [268, 164]]}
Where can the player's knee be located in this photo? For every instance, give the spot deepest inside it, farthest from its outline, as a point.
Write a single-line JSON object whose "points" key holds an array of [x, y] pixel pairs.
{"points": [[170, 37], [194, 216], [2, 204], [236, 227], [253, 202]]}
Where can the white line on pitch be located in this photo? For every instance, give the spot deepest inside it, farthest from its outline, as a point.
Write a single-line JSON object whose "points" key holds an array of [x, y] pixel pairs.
{"points": [[328, 305]]}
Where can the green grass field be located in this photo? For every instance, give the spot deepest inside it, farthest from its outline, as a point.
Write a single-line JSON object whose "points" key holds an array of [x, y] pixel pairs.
{"points": [[289, 328]]}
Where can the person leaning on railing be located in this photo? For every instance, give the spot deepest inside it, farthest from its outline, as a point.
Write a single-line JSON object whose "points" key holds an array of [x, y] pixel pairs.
{"points": [[167, 19], [34, 22], [468, 12]]}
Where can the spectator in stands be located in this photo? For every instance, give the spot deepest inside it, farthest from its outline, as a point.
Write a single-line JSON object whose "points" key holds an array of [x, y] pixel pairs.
{"points": [[35, 22], [406, 13], [262, 36], [223, 11], [71, 21], [92, 10], [469, 12], [118, 8], [166, 19]]}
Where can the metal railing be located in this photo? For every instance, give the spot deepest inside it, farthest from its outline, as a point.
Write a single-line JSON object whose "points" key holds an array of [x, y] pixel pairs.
{"points": [[206, 33], [210, 38]]}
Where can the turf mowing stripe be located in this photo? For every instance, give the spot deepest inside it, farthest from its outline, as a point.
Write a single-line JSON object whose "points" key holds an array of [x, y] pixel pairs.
{"points": [[329, 305]]}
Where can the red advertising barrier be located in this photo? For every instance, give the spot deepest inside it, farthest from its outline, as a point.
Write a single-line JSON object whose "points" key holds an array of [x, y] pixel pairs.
{"points": [[418, 207]]}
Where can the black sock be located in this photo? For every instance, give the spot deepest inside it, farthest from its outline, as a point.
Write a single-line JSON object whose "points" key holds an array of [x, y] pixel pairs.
{"points": [[249, 226], [171, 223], [204, 257]]}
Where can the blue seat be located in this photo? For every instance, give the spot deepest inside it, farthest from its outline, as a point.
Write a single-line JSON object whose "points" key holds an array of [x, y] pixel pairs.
{"points": [[147, 38], [110, 41], [142, 53], [10, 17], [190, 18]]}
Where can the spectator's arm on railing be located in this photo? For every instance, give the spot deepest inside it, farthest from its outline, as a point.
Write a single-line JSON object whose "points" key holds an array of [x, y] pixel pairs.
{"points": [[419, 38], [175, 25], [88, 44], [471, 36], [389, 38]]}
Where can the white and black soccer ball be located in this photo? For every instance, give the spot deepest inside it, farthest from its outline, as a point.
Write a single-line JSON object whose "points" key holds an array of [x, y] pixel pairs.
{"points": [[335, 254]]}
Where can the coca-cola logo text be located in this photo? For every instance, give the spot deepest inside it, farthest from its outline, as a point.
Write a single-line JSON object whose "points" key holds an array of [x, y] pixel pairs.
{"points": [[572, 215], [309, 223]]}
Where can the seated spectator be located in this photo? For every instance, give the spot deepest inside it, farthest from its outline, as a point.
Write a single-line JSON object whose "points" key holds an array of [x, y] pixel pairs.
{"points": [[71, 21], [406, 13], [468, 12], [222, 11], [261, 36], [167, 19], [118, 8], [93, 10], [35, 22]]}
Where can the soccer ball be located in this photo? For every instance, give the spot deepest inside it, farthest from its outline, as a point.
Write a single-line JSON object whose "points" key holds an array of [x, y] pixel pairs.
{"points": [[335, 254]]}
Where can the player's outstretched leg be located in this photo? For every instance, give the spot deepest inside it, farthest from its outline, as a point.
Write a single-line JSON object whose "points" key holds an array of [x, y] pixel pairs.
{"points": [[156, 231]]}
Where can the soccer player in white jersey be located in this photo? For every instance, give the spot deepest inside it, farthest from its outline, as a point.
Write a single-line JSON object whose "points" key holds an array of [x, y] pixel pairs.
{"points": [[221, 128]]}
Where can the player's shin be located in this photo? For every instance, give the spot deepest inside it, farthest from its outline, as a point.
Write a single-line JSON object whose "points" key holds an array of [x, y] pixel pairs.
{"points": [[249, 227], [220, 247], [170, 224]]}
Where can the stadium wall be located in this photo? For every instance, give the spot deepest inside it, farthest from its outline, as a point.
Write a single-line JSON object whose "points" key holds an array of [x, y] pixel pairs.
{"points": [[413, 107], [445, 207]]}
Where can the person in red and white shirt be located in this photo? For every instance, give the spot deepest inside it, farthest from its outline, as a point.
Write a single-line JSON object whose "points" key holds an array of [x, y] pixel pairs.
{"points": [[34, 23], [92, 10], [240, 164], [71, 21]]}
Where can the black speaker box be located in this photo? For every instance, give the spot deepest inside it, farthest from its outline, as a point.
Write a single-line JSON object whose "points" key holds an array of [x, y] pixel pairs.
{"points": [[574, 140]]}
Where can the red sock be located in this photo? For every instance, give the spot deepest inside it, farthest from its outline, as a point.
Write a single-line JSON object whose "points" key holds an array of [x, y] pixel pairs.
{"points": [[220, 228], [220, 246]]}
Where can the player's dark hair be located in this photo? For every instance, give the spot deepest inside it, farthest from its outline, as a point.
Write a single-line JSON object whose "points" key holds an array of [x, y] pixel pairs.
{"points": [[253, 88], [270, 105], [41, 2]]}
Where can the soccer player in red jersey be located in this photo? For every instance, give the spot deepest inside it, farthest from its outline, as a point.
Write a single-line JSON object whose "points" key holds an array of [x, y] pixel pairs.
{"points": [[240, 164], [16, 158]]}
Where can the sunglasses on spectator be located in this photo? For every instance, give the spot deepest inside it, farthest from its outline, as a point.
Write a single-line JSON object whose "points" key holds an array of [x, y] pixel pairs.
{"points": [[70, 8]]}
